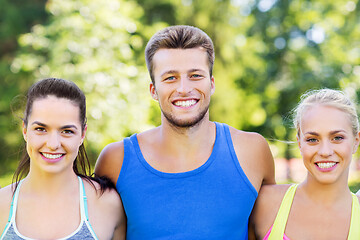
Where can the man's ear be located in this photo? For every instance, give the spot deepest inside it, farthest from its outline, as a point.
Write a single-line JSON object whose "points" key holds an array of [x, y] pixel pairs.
{"points": [[212, 91], [153, 92]]}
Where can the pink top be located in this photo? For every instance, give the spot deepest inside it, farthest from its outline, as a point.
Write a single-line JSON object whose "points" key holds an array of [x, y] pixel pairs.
{"points": [[268, 233]]}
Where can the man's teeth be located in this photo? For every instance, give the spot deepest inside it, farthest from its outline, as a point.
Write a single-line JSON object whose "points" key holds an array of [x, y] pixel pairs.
{"points": [[187, 103], [326, 165], [51, 156]]}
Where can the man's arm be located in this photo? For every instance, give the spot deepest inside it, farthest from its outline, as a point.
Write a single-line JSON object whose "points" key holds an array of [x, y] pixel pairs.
{"points": [[110, 161], [266, 159], [120, 229], [254, 156]]}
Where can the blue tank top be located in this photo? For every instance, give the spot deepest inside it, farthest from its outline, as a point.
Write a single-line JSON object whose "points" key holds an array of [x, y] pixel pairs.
{"points": [[213, 201], [84, 231]]}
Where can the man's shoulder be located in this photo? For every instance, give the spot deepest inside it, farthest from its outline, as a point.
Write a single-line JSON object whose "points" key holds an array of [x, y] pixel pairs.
{"points": [[244, 137], [110, 161], [254, 155], [114, 147]]}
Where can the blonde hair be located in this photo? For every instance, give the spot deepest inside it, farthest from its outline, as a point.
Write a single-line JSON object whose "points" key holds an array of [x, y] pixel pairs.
{"points": [[327, 97]]}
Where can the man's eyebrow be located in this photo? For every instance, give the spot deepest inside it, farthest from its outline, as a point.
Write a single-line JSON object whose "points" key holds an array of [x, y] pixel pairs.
{"points": [[39, 123], [169, 72], [196, 70], [69, 126]]}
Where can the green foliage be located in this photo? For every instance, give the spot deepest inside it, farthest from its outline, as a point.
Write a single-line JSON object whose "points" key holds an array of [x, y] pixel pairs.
{"points": [[268, 53], [16, 17], [95, 44]]}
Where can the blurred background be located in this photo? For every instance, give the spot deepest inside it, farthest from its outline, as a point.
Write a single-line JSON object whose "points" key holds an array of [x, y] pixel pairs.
{"points": [[268, 52]]}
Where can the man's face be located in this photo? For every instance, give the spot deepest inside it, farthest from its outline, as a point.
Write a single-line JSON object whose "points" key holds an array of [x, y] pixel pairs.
{"points": [[183, 85]]}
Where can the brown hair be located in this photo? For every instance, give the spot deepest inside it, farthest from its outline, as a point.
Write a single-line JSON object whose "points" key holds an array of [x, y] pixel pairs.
{"points": [[180, 36], [59, 88]]}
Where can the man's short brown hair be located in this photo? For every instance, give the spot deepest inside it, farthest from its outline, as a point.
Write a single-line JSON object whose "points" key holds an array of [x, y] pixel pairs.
{"points": [[182, 37]]}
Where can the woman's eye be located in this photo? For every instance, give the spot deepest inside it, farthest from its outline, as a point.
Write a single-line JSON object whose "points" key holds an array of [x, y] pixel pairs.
{"points": [[338, 138], [311, 140]]}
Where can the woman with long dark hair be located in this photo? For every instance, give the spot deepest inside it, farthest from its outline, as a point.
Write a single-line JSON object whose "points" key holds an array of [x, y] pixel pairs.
{"points": [[53, 195]]}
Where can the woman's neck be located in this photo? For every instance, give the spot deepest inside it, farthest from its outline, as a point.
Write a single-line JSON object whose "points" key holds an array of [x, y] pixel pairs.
{"points": [[325, 194], [50, 184]]}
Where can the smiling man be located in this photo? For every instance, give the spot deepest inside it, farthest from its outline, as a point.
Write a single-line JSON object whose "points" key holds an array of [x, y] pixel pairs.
{"points": [[188, 178]]}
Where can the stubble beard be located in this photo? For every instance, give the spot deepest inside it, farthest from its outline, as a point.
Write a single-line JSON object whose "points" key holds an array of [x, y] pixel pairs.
{"points": [[188, 123]]}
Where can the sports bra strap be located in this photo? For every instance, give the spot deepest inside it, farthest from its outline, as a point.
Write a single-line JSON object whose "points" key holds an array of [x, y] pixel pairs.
{"points": [[278, 228], [354, 232], [14, 202], [83, 201]]}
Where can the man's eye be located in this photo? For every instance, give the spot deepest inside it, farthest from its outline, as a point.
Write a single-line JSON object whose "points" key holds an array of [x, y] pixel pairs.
{"points": [[68, 131], [169, 78], [40, 129], [196, 76]]}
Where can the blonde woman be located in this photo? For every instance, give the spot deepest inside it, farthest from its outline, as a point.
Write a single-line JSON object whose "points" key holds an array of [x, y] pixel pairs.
{"points": [[322, 206]]}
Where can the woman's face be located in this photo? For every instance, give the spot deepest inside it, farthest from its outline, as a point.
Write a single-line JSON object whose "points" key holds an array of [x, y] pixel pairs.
{"points": [[53, 134], [326, 142]]}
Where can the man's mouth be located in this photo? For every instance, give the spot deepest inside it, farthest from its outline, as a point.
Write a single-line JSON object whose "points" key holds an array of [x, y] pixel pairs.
{"points": [[185, 103]]}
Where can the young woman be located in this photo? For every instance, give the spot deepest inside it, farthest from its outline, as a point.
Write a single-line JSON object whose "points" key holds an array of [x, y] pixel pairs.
{"points": [[57, 199], [322, 206]]}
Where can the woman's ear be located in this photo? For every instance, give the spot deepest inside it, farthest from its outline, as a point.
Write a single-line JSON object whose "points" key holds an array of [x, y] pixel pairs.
{"points": [[83, 135], [357, 141], [299, 143], [24, 131]]}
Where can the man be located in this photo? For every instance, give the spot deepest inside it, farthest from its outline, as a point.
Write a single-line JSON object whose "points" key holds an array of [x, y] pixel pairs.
{"points": [[189, 178]]}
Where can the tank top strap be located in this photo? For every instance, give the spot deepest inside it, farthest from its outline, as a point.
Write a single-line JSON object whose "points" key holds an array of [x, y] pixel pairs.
{"points": [[83, 201], [129, 151], [14, 203], [279, 225], [227, 140], [84, 214], [13, 207], [354, 232]]}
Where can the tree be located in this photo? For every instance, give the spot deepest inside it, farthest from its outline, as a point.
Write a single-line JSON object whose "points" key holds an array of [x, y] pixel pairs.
{"points": [[16, 17], [95, 44]]}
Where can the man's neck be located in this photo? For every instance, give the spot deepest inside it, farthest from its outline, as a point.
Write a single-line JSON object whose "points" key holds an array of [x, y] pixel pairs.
{"points": [[170, 150]]}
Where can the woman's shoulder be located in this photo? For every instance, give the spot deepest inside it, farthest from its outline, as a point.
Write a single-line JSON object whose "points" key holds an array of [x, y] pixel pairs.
{"points": [[270, 197], [104, 199], [6, 195], [105, 209], [273, 191], [266, 206]]}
